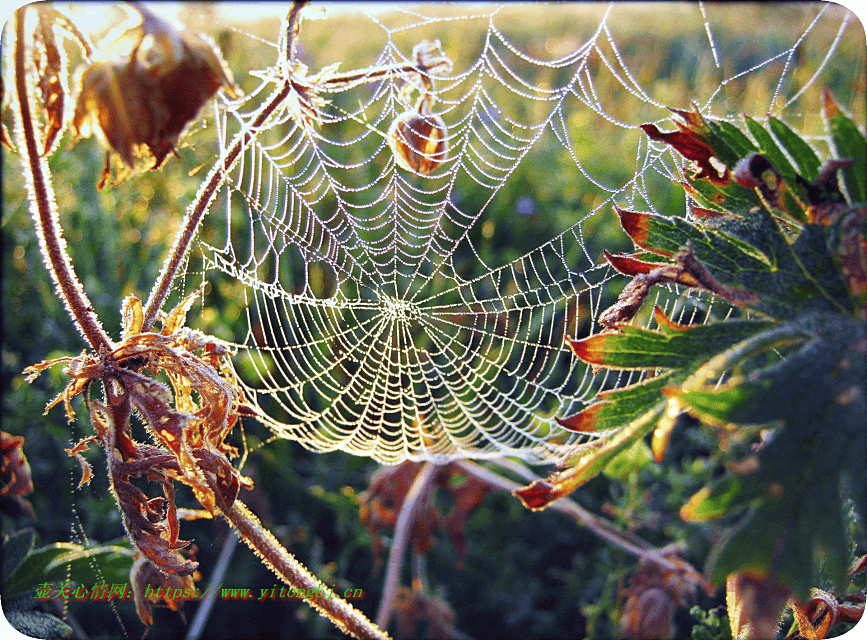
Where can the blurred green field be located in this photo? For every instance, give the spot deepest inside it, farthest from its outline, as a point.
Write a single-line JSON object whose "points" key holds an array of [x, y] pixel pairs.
{"points": [[525, 575]]}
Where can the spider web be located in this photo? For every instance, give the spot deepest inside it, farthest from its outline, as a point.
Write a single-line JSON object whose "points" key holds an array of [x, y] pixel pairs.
{"points": [[404, 315]]}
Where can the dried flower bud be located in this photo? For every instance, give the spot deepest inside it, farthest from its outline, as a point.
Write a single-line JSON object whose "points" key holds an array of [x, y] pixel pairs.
{"points": [[143, 99], [418, 141]]}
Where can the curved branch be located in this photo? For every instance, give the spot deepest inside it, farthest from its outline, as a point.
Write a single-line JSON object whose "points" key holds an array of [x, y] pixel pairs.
{"points": [[401, 540], [43, 207]]}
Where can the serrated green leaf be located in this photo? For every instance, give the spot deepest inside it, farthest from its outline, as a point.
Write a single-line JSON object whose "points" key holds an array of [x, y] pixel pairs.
{"points": [[769, 147], [800, 151], [633, 348], [16, 546], [847, 141]]}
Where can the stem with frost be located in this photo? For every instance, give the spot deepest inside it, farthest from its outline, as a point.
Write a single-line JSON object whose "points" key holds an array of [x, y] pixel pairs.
{"points": [[43, 207], [346, 617]]}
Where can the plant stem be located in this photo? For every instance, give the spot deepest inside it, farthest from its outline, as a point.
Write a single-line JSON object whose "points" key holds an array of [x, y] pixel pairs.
{"points": [[346, 617], [206, 193], [401, 540], [43, 208], [623, 539], [204, 611]]}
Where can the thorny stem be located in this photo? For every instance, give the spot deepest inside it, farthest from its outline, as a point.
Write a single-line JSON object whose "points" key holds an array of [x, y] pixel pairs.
{"points": [[43, 209], [401, 540], [347, 618]]}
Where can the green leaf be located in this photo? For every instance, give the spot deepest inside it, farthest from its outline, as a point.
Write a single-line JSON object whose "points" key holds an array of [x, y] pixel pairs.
{"points": [[800, 151], [821, 266], [729, 142], [633, 348], [38, 625], [63, 560], [16, 546], [730, 197], [769, 147], [848, 142], [620, 406]]}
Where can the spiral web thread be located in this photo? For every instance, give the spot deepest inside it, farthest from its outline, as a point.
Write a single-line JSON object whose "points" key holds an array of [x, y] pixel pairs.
{"points": [[377, 322]]}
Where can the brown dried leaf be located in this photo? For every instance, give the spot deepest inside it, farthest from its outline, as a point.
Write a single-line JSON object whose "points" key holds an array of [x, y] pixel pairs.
{"points": [[50, 64], [654, 593], [145, 574], [755, 605]]}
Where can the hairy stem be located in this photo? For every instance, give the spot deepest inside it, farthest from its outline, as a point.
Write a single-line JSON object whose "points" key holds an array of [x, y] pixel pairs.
{"points": [[346, 617], [401, 540], [43, 208], [200, 205]]}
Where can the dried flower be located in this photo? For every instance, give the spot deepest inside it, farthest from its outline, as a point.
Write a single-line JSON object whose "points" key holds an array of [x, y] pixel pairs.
{"points": [[143, 99]]}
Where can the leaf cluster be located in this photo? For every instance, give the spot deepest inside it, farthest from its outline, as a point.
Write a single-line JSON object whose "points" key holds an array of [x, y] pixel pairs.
{"points": [[779, 234]]}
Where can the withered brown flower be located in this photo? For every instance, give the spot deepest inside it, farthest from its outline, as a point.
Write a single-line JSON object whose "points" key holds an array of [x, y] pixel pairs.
{"points": [[143, 97]]}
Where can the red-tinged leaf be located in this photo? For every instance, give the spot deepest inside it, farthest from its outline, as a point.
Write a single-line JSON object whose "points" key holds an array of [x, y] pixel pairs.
{"points": [[584, 421], [700, 213], [692, 147], [630, 266], [637, 226], [538, 494], [666, 324], [593, 349]]}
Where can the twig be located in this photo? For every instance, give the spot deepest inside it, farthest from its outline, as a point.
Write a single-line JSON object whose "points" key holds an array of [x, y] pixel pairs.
{"points": [[401, 540], [204, 610], [43, 208], [623, 539], [206, 194]]}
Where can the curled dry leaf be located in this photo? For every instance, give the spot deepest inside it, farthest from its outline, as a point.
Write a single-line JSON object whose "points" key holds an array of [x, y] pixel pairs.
{"points": [[688, 272], [413, 609], [418, 141], [15, 480], [141, 99], [144, 574], [691, 141], [189, 424]]}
